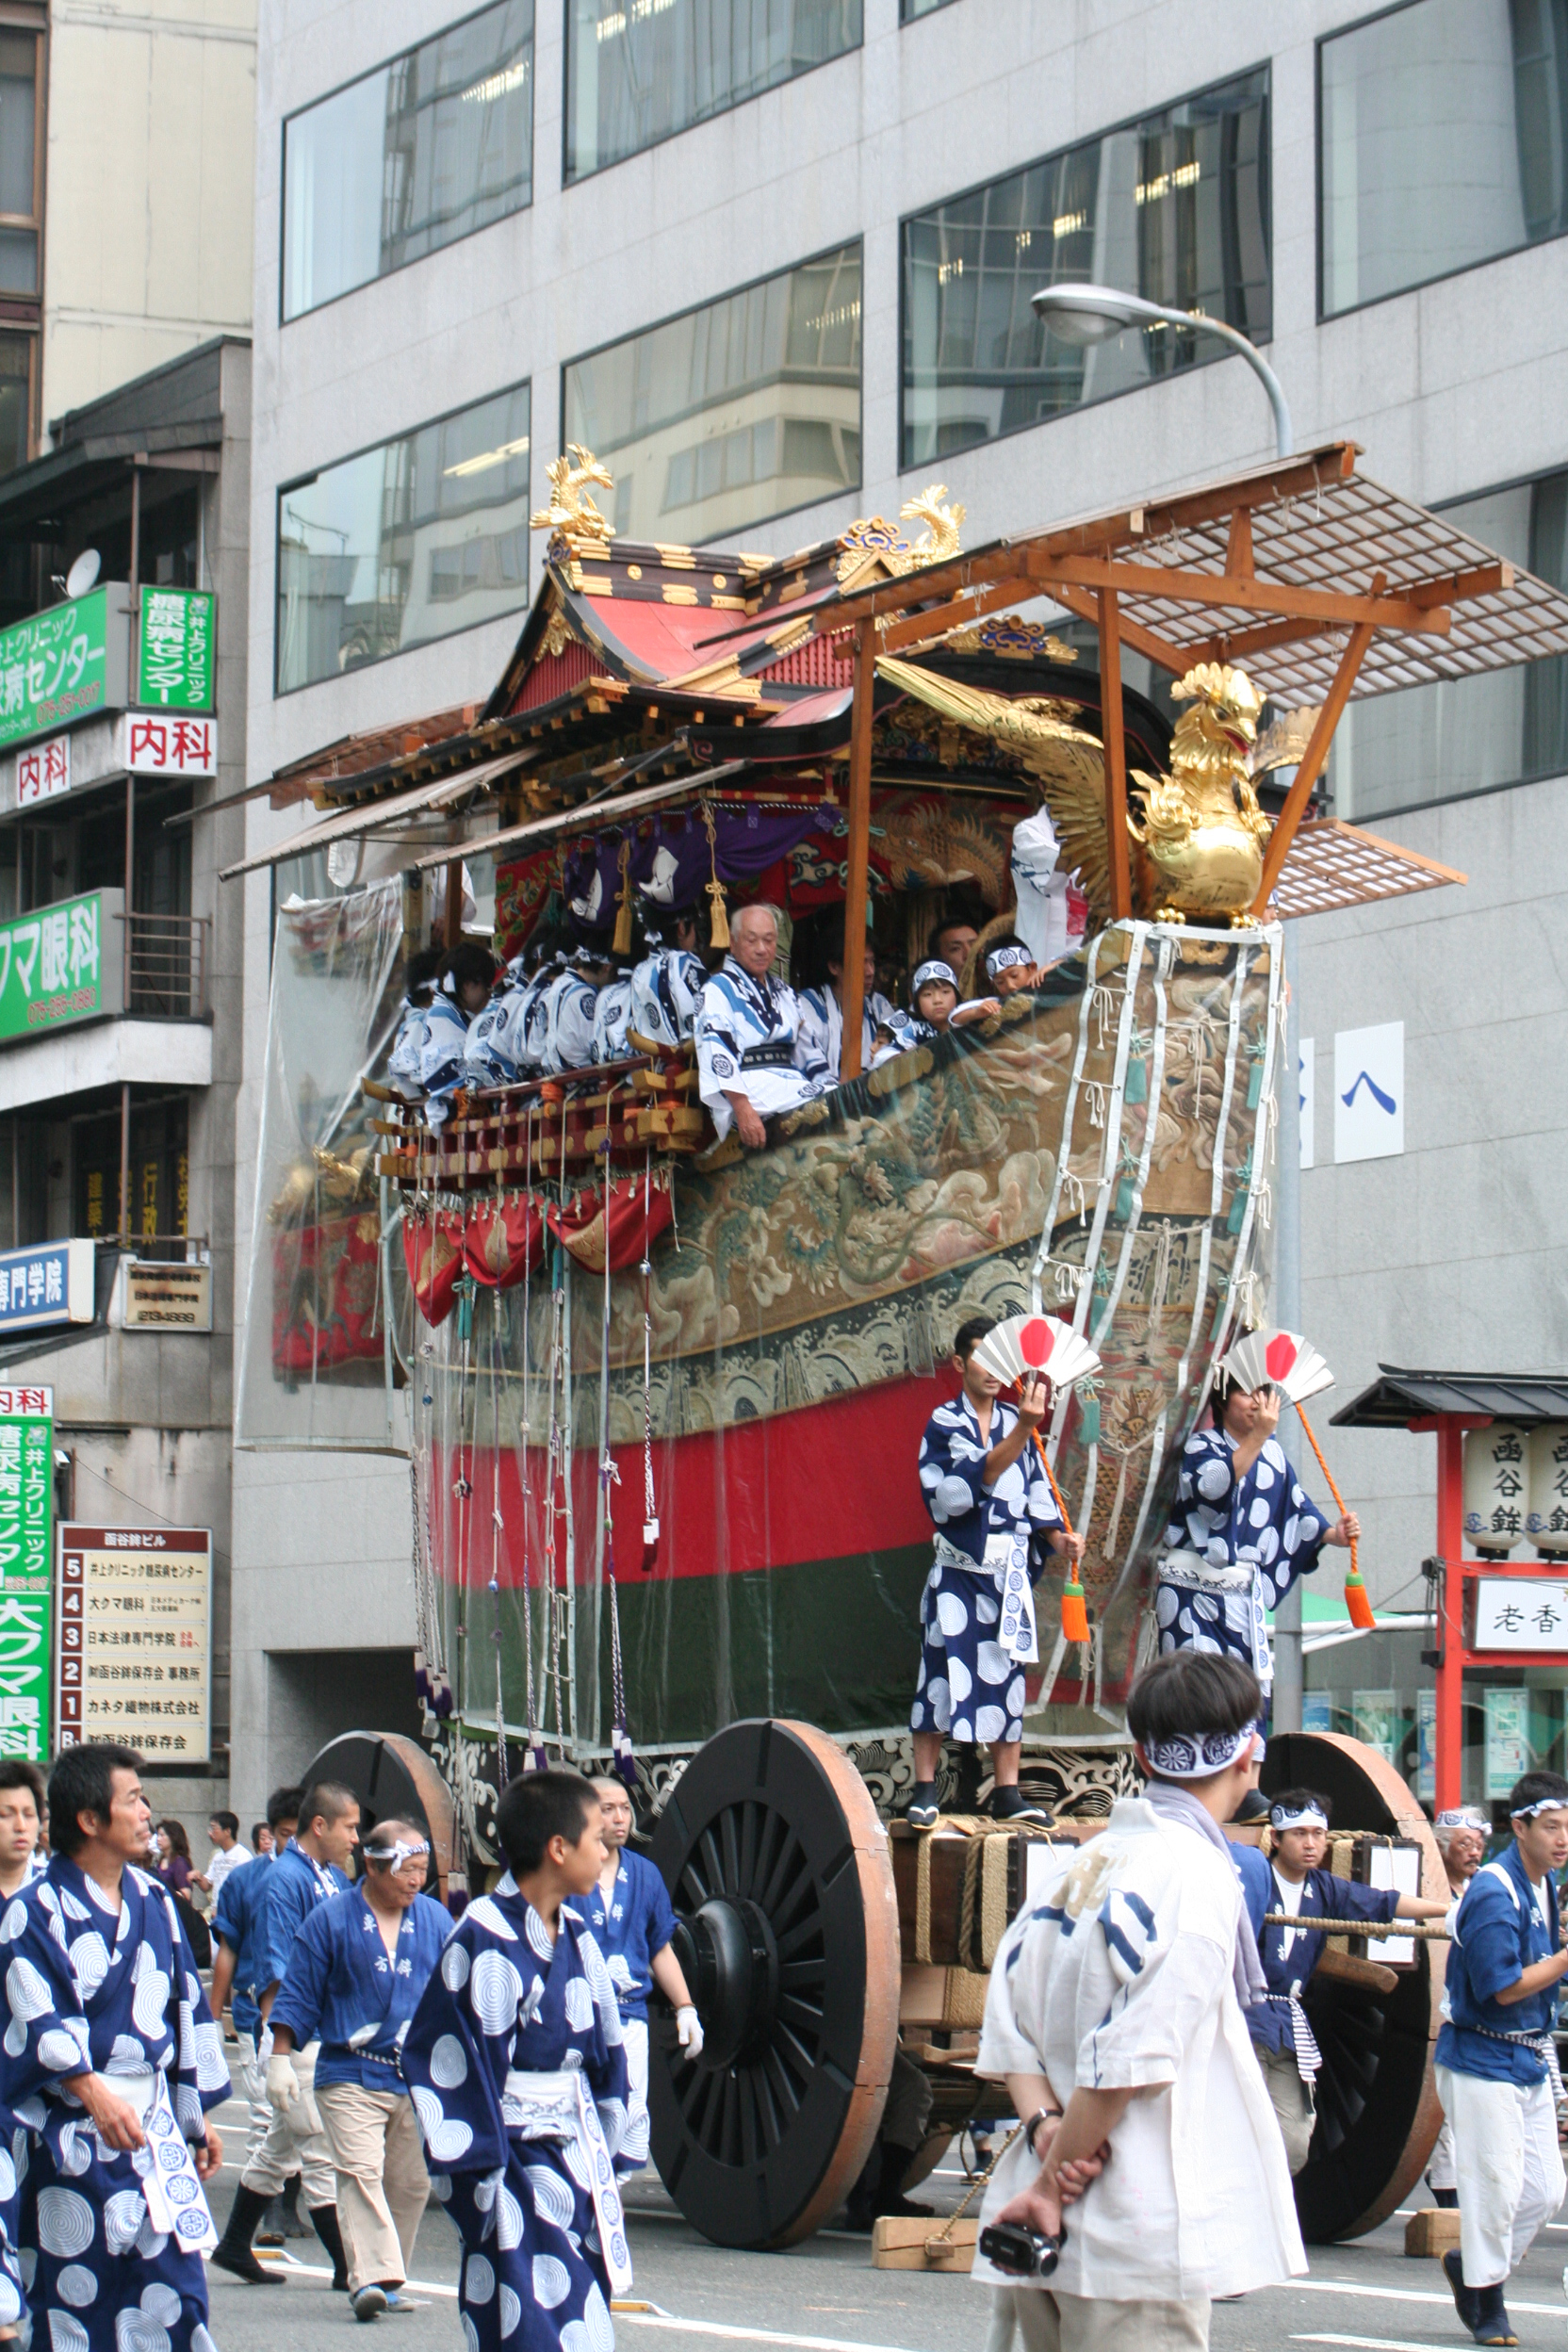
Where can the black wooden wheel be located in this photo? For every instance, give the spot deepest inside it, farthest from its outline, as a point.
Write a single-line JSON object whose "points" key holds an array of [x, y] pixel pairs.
{"points": [[1377, 2111], [394, 1779], [788, 1936]]}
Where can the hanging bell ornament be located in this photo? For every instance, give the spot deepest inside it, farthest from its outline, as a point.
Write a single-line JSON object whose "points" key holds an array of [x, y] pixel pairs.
{"points": [[650, 1546]]}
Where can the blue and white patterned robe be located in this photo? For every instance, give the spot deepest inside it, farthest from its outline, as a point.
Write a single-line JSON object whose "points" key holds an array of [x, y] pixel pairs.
{"points": [[665, 988], [610, 1015], [506, 2001], [405, 1064], [748, 1041], [441, 1056], [568, 1006], [822, 1026], [119, 1994], [1232, 1552], [971, 1662]]}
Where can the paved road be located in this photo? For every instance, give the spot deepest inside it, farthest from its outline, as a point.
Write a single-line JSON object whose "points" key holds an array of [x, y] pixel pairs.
{"points": [[825, 2297]]}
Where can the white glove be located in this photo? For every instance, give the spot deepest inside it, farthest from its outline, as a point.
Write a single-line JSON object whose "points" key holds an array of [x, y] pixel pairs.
{"points": [[688, 2031], [282, 2084]]}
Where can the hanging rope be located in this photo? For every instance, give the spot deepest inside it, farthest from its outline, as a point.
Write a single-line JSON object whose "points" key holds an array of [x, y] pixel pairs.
{"points": [[620, 1739], [497, 1530], [650, 1504], [1075, 1618], [536, 1758], [1356, 1597]]}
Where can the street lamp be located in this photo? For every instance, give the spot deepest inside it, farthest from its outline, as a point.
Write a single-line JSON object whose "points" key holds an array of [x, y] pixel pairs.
{"points": [[1091, 314]]}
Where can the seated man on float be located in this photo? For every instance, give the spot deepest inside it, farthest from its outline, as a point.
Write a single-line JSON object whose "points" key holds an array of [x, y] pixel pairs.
{"points": [[937, 1009], [822, 1015], [463, 993], [668, 983], [612, 1017], [751, 1065], [952, 941], [568, 1007], [406, 1060], [491, 1058]]}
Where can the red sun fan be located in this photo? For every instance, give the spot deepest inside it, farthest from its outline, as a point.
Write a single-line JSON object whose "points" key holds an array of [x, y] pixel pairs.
{"points": [[1282, 1360], [1027, 1344]]}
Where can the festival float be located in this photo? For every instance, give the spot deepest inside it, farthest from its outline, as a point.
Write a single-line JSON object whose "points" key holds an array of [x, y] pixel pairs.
{"points": [[662, 1396]]}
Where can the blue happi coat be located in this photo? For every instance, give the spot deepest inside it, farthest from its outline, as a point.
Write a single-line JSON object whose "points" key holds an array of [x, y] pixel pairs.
{"points": [[1234, 1551], [113, 2240], [1505, 1923], [295, 1884], [237, 1922], [514, 2032], [342, 1983], [1289, 1954]]}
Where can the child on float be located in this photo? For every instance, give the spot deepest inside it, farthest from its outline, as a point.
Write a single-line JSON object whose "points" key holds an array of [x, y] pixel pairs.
{"points": [[1116, 2016], [934, 995]]}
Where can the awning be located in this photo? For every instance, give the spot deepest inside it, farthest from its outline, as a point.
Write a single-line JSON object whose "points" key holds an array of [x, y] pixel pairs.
{"points": [[1400, 1398], [586, 815], [371, 816]]}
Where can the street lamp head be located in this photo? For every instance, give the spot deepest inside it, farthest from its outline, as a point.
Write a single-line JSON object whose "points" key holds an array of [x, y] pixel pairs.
{"points": [[1089, 314]]}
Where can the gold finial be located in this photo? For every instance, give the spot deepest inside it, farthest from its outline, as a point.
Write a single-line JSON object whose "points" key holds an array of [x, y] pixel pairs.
{"points": [[942, 526], [572, 516]]}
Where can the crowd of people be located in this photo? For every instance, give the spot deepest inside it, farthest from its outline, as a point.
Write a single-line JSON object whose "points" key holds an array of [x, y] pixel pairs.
{"points": [[764, 1042]]}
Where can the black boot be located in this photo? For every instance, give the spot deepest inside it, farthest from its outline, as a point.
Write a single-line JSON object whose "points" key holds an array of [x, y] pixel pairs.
{"points": [[1490, 2324], [1466, 2299], [325, 2222], [878, 2193], [1446, 2199], [288, 2207], [232, 2251]]}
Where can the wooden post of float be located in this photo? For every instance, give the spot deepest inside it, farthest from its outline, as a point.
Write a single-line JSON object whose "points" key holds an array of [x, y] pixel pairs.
{"points": [[852, 990], [1313, 758], [451, 928], [1112, 736]]}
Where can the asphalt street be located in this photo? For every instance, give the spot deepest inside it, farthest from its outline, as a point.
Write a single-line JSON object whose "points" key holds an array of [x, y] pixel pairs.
{"points": [[825, 2297]]}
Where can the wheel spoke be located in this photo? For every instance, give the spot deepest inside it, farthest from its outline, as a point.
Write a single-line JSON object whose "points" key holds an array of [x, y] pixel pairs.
{"points": [[797, 1976], [803, 2013], [786, 2092], [808, 1931], [729, 1836], [748, 1869], [773, 1837], [786, 2038], [790, 1859], [709, 1845]]}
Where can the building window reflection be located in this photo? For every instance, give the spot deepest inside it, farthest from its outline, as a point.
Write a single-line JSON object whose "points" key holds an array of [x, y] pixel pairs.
{"points": [[413, 540], [1174, 206], [1441, 131], [428, 148], [733, 412]]}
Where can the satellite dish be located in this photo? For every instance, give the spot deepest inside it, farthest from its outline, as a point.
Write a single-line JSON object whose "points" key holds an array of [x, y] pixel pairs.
{"points": [[83, 573]]}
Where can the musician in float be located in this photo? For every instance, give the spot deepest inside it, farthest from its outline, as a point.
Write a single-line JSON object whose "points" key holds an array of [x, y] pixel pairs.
{"points": [[1293, 1878], [752, 1063], [466, 981]]}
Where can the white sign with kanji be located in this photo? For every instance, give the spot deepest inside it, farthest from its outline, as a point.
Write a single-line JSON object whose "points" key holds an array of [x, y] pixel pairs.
{"points": [[44, 769], [164, 744], [1520, 1613]]}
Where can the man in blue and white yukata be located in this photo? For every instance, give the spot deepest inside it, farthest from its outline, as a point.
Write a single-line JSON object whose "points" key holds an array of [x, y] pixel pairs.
{"points": [[1241, 1533], [308, 1872], [236, 1936], [821, 1016], [632, 1922], [518, 2065], [1497, 2066], [667, 985], [986, 1488], [751, 1063], [462, 995], [355, 1975], [110, 2062]]}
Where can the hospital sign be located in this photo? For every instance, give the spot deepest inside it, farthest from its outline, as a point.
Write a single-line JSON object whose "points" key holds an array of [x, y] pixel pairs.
{"points": [[27, 1606], [61, 964]]}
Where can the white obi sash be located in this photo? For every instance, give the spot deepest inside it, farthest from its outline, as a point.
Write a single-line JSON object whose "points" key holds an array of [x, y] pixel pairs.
{"points": [[1236, 1579], [556, 2106], [1006, 1562], [171, 2185]]}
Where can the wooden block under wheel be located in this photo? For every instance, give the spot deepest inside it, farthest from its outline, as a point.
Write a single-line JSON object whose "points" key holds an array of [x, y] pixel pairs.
{"points": [[915, 2241], [1432, 2230]]}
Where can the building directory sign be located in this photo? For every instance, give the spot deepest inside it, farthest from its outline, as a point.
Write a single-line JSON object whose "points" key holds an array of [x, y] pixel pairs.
{"points": [[50, 1282], [64, 664], [176, 649], [26, 1607], [136, 1639], [61, 964]]}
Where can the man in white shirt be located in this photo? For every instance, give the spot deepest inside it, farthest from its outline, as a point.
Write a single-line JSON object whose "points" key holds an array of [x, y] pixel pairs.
{"points": [[227, 1852], [1115, 2015]]}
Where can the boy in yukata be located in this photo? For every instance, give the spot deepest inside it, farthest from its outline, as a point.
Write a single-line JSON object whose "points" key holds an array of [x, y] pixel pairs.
{"points": [[516, 2062], [630, 1914]]}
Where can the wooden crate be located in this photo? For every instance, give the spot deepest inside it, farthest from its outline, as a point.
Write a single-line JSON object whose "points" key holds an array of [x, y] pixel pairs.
{"points": [[1432, 2231], [916, 2244]]}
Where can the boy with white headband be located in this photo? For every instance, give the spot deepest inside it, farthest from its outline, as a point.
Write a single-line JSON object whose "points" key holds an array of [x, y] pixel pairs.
{"points": [[1116, 2016], [1461, 1832], [1288, 2055], [1496, 2068], [934, 993]]}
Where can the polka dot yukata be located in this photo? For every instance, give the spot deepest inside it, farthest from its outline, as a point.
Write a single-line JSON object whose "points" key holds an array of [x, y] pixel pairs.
{"points": [[1234, 1551], [111, 2241], [506, 2004], [972, 1663]]}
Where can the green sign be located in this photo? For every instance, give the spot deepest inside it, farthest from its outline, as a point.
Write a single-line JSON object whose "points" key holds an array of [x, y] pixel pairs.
{"points": [[61, 964], [26, 1496], [56, 667], [175, 668]]}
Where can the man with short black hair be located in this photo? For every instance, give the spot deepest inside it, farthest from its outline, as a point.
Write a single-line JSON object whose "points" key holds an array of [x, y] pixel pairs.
{"points": [[227, 1852], [308, 1871], [1495, 2059], [21, 1819], [630, 1914], [109, 2063], [237, 1933], [518, 2066]]}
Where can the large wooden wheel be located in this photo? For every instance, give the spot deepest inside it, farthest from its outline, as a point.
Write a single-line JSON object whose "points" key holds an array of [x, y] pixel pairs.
{"points": [[788, 1936], [1377, 2111], [394, 1779]]}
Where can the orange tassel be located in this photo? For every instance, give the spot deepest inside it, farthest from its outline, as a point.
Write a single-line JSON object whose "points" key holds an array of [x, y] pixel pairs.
{"points": [[1075, 1617], [1357, 1599], [1358, 1604]]}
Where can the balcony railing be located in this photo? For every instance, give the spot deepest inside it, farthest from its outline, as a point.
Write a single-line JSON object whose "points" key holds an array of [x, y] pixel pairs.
{"points": [[166, 966]]}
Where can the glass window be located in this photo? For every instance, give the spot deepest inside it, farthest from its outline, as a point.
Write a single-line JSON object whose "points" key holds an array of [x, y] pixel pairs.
{"points": [[1441, 131], [16, 363], [909, 9], [423, 537], [638, 71], [1174, 207], [1468, 734], [18, 192], [731, 413], [424, 151]]}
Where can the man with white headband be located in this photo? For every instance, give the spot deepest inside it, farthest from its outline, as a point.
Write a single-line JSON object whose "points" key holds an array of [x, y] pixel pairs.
{"points": [[1461, 1832], [1496, 2067], [356, 1972], [1297, 1883], [1115, 2015]]}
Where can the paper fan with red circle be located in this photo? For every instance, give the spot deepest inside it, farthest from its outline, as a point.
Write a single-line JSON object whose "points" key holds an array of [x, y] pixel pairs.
{"points": [[1028, 1346], [1282, 1360]]}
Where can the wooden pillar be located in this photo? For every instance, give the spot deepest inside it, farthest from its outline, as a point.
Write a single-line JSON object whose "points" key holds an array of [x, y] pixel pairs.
{"points": [[853, 988], [452, 928], [130, 883], [1311, 768], [124, 1161], [1450, 1632], [1114, 738]]}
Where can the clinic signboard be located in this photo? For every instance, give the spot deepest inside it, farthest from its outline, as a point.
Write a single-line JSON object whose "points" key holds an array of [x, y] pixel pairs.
{"points": [[26, 1604], [136, 1639], [62, 964], [175, 649], [66, 664]]}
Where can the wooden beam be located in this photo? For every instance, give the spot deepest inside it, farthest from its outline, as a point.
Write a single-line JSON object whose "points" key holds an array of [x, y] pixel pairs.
{"points": [[1115, 757], [1312, 764], [1165, 656], [921, 626], [452, 928], [1246, 641], [1485, 579], [852, 984], [1238, 550], [1250, 596]]}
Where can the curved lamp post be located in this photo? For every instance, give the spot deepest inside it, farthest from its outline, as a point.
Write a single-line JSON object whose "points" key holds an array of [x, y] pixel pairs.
{"points": [[1092, 314]]}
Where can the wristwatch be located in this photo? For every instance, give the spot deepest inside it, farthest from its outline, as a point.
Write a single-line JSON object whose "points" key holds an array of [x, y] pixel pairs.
{"points": [[1041, 2114]]}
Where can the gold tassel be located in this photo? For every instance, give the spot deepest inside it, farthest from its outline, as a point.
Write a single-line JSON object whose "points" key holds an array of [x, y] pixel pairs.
{"points": [[621, 945], [718, 922]]}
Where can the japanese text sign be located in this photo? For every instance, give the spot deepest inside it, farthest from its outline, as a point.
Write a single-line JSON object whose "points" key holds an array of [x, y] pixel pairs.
{"points": [[61, 964], [175, 665], [151, 745], [1520, 1613], [49, 1283], [45, 770], [63, 664], [27, 1609], [135, 1658]]}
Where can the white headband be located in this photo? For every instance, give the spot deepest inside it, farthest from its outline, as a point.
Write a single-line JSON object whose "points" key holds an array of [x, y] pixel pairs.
{"points": [[935, 969], [1309, 1817], [1462, 1817], [397, 1853], [1541, 1804], [1005, 959], [1197, 1754]]}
